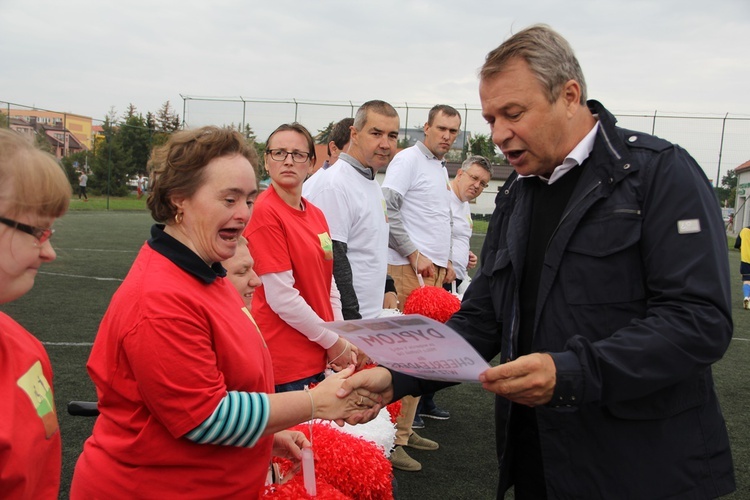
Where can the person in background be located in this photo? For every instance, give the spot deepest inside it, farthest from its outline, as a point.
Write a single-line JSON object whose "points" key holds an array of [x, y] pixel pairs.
{"points": [[338, 144], [83, 179], [417, 197], [352, 201], [241, 273], [604, 287], [470, 180], [290, 242], [743, 245], [34, 192], [183, 377]]}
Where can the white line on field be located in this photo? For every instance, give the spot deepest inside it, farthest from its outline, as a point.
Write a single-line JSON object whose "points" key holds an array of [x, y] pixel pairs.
{"points": [[738, 338], [80, 276], [74, 344]]}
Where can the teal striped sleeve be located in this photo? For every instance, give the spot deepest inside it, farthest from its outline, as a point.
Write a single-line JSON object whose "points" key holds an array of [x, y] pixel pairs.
{"points": [[239, 420]]}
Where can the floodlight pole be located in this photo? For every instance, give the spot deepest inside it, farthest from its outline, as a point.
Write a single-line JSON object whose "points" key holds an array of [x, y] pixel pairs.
{"points": [[721, 147]]}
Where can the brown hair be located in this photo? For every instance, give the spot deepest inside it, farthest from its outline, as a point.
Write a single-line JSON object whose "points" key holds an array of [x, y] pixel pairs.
{"points": [[300, 129], [441, 108], [32, 181], [177, 167]]}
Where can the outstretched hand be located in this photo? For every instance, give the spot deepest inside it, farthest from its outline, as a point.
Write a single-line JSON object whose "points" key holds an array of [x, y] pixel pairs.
{"points": [[529, 380], [354, 406], [372, 382]]}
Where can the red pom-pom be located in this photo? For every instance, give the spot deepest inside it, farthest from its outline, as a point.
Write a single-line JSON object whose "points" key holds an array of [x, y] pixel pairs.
{"points": [[352, 466], [394, 409], [432, 301]]}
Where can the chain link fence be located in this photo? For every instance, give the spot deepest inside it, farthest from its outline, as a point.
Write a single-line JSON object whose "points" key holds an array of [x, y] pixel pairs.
{"points": [[718, 142]]}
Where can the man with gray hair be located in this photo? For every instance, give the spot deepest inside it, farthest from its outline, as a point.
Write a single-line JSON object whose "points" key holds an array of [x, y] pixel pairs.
{"points": [[470, 180], [605, 289]]}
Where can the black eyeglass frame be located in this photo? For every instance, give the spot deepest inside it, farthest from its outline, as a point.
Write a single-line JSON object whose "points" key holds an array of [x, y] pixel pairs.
{"points": [[295, 159], [42, 234]]}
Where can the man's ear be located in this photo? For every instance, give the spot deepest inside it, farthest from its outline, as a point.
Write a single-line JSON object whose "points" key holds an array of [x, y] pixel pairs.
{"points": [[333, 148], [571, 95]]}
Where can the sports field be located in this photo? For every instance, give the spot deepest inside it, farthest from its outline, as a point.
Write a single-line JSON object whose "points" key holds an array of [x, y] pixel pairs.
{"points": [[95, 250]]}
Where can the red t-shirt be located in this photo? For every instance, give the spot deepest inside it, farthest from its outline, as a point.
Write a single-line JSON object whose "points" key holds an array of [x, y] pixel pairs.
{"points": [[30, 447], [168, 349], [282, 239]]}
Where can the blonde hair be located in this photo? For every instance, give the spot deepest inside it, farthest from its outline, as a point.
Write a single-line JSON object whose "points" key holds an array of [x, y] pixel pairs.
{"points": [[31, 181]]}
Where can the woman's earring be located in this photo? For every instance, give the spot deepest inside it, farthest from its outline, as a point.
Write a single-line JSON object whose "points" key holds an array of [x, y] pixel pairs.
{"points": [[178, 218]]}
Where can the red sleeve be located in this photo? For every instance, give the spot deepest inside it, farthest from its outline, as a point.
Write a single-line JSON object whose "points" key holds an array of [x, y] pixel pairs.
{"points": [[268, 242]]}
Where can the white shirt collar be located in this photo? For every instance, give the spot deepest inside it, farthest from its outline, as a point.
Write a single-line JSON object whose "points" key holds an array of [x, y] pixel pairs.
{"points": [[575, 157]]}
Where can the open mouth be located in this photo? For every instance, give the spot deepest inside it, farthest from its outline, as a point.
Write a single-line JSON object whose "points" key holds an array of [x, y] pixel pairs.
{"points": [[514, 155], [229, 234]]}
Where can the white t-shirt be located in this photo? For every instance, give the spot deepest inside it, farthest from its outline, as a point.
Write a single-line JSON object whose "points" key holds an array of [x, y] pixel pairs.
{"points": [[423, 182], [462, 227], [355, 210], [309, 186]]}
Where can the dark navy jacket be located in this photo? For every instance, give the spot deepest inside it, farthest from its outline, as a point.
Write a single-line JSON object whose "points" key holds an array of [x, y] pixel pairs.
{"points": [[634, 307]]}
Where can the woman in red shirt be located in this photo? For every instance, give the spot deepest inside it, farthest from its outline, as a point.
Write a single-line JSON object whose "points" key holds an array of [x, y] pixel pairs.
{"points": [[293, 253], [183, 376], [34, 191]]}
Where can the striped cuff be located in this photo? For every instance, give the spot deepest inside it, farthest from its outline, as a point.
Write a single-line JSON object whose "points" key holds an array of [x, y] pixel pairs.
{"points": [[238, 420]]}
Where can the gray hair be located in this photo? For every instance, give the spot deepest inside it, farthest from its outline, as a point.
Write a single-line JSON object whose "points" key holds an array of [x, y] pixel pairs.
{"points": [[379, 107], [476, 160], [549, 56]]}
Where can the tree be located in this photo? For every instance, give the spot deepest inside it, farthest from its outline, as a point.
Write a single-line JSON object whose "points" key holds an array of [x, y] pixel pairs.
{"points": [[324, 134], [134, 139], [166, 119], [4, 121], [481, 144], [727, 193]]}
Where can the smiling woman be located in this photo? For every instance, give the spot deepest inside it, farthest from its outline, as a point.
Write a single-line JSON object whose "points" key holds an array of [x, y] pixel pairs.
{"points": [[173, 364], [34, 191]]}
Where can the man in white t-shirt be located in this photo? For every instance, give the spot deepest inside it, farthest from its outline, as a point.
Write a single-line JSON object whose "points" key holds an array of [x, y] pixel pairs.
{"points": [[470, 180], [353, 204], [417, 194]]}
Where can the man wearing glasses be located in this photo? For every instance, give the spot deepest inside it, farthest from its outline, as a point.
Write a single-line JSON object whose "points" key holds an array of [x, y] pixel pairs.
{"points": [[470, 180], [417, 195]]}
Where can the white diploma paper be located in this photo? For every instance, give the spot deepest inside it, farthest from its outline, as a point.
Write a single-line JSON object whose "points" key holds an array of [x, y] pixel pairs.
{"points": [[415, 345]]}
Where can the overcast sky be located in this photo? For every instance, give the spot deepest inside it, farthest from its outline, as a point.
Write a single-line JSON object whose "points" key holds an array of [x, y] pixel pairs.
{"points": [[85, 56]]}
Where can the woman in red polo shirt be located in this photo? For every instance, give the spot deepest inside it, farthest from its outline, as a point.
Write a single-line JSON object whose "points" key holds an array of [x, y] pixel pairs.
{"points": [[183, 376], [34, 191]]}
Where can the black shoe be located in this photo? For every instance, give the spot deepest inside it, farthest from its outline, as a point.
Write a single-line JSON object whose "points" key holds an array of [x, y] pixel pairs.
{"points": [[436, 413], [418, 422]]}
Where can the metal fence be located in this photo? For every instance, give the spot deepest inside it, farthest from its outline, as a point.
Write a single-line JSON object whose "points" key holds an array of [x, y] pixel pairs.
{"points": [[718, 142]]}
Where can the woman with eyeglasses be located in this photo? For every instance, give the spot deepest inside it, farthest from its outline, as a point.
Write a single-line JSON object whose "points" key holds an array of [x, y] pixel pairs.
{"points": [[182, 374], [34, 191], [293, 253]]}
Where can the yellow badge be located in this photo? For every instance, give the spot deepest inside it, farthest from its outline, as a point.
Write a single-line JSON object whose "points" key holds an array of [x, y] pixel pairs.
{"points": [[35, 384], [327, 245]]}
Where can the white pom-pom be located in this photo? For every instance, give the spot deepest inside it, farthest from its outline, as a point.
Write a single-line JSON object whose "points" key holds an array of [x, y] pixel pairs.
{"points": [[379, 430]]}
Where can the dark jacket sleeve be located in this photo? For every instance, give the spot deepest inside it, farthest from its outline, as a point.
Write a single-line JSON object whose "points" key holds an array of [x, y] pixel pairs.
{"points": [[687, 321], [342, 272]]}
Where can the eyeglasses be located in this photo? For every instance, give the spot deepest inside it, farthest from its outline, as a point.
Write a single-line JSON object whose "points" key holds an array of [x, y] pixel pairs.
{"points": [[42, 234], [280, 155], [477, 179]]}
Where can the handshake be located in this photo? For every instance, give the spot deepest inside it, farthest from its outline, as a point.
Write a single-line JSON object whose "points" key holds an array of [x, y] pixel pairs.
{"points": [[353, 397]]}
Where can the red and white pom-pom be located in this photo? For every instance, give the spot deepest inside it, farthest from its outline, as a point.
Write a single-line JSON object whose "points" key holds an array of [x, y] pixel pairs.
{"points": [[432, 301], [355, 467], [381, 431]]}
